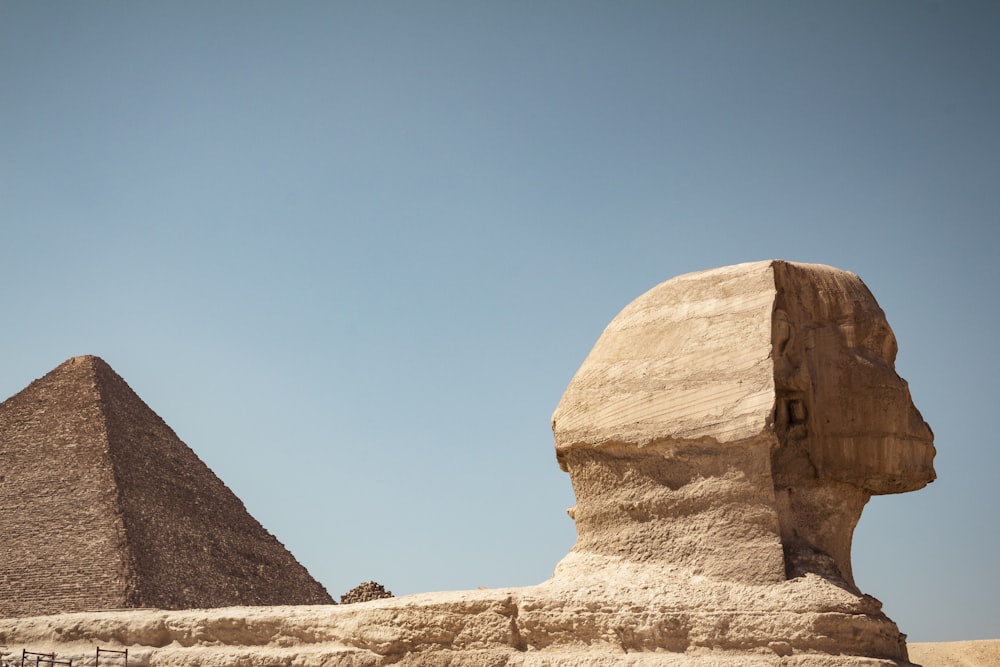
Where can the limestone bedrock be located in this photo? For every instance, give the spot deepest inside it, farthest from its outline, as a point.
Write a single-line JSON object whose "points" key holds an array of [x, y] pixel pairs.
{"points": [[722, 438]]}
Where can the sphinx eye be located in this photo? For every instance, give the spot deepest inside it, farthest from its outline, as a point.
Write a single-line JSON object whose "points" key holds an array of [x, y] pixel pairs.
{"points": [[782, 333]]}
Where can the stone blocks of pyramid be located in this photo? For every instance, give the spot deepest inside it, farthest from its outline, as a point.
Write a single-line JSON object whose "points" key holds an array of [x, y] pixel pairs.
{"points": [[102, 506]]}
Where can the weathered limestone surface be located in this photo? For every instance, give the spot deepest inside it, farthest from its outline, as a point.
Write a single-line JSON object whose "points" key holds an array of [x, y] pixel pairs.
{"points": [[722, 438]]}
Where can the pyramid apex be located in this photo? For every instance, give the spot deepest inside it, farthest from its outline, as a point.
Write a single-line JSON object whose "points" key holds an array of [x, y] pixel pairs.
{"points": [[85, 363], [84, 359]]}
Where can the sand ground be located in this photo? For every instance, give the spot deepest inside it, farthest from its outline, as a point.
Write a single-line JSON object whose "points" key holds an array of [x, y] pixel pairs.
{"points": [[983, 653]]}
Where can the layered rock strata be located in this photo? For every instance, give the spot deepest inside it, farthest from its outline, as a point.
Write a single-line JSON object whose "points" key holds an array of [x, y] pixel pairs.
{"points": [[722, 438]]}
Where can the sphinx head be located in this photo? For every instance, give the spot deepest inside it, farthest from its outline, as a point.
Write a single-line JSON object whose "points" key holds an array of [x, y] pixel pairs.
{"points": [[756, 405], [840, 407]]}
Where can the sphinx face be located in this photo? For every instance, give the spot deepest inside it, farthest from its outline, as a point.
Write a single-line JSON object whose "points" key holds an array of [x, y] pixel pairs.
{"points": [[850, 410]]}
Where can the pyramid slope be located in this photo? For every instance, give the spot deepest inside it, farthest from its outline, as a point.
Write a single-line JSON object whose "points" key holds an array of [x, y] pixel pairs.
{"points": [[62, 545], [176, 537]]}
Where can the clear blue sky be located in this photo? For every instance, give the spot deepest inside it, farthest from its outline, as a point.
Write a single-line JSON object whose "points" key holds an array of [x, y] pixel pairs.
{"points": [[353, 252]]}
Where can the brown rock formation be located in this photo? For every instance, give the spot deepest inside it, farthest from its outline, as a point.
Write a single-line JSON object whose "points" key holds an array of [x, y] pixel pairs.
{"points": [[751, 409], [722, 438], [103, 506]]}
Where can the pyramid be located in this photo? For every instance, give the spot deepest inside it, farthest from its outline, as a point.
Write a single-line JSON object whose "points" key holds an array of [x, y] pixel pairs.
{"points": [[102, 506]]}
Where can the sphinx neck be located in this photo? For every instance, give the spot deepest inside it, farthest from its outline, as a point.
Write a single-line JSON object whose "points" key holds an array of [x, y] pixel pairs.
{"points": [[817, 519], [692, 508]]}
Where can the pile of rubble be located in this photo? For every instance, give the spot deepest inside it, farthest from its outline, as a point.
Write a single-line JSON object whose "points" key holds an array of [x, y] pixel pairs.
{"points": [[369, 590]]}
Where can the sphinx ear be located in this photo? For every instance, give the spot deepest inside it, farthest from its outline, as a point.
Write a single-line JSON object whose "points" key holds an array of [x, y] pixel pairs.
{"points": [[781, 333]]}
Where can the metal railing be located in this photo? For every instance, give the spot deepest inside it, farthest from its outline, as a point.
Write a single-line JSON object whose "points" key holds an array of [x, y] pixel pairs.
{"points": [[41, 657], [112, 658], [52, 661]]}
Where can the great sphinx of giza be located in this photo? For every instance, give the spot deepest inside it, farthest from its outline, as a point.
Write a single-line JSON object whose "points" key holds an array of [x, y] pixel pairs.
{"points": [[722, 438]]}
